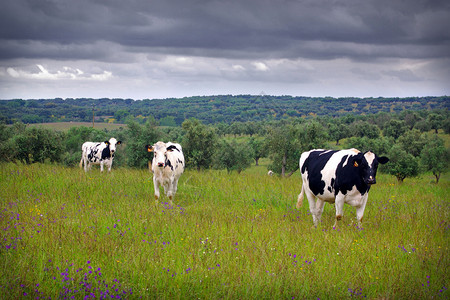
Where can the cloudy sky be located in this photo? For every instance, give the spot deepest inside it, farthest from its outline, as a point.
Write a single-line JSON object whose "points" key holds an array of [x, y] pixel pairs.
{"points": [[174, 48]]}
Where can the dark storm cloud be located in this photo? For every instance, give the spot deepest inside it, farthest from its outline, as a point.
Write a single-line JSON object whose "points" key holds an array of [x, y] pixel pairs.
{"points": [[175, 48], [319, 29]]}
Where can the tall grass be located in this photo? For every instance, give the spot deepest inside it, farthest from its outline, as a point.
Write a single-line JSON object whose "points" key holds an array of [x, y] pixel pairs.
{"points": [[68, 234]]}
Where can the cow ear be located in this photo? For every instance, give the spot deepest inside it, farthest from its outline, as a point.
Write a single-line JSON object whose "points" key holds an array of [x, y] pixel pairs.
{"points": [[119, 142], [357, 161], [382, 160], [107, 142], [149, 148]]}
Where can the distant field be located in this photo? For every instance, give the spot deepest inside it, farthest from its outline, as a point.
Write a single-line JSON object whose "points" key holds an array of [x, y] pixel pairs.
{"points": [[64, 126]]}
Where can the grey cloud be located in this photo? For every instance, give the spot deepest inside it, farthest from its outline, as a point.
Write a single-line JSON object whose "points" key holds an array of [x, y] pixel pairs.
{"points": [[218, 28], [192, 47]]}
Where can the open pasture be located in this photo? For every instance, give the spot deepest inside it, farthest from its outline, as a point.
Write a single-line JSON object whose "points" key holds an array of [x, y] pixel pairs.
{"points": [[66, 234]]}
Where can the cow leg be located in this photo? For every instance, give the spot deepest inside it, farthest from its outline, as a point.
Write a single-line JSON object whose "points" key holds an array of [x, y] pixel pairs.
{"points": [[312, 206], [156, 185], [300, 199], [339, 204], [360, 209], [168, 189], [174, 186], [319, 209], [101, 166]]}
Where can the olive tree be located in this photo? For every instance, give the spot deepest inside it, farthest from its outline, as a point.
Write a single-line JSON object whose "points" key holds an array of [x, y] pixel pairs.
{"points": [[199, 144], [286, 143], [233, 156], [435, 157], [401, 164]]}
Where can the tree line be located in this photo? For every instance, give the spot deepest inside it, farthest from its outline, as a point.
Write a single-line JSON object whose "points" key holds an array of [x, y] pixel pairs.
{"points": [[208, 109], [410, 139]]}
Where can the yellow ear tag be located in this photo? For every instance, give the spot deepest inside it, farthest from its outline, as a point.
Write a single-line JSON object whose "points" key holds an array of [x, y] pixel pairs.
{"points": [[355, 164]]}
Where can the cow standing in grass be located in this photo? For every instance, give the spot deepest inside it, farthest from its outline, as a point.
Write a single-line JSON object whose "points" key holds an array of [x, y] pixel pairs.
{"points": [[98, 154], [337, 177], [167, 167]]}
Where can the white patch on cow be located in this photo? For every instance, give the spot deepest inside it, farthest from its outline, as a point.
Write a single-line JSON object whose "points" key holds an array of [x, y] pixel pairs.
{"points": [[370, 157], [325, 151]]}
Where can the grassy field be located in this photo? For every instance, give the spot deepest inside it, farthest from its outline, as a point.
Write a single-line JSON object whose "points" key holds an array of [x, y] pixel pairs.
{"points": [[66, 234]]}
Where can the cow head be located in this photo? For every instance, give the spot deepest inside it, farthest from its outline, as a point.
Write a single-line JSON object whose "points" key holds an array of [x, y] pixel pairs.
{"points": [[112, 143], [160, 150], [367, 165]]}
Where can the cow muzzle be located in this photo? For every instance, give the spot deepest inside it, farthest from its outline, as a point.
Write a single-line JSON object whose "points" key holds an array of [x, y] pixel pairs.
{"points": [[371, 180], [161, 165]]}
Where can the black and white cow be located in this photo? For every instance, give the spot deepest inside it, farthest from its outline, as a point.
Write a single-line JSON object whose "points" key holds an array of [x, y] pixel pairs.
{"points": [[167, 167], [98, 154], [338, 177]]}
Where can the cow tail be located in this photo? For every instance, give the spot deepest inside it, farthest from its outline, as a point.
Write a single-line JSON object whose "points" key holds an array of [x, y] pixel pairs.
{"points": [[300, 198]]}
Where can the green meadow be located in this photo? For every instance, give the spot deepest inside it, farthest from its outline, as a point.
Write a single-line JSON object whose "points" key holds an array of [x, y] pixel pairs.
{"points": [[65, 234]]}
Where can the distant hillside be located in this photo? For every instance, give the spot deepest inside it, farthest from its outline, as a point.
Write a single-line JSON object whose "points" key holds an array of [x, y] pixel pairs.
{"points": [[209, 109]]}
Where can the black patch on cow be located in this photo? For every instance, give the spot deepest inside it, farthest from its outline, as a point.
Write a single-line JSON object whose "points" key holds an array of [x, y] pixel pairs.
{"points": [[106, 153], [92, 155], [349, 176], [169, 164], [172, 147], [314, 164]]}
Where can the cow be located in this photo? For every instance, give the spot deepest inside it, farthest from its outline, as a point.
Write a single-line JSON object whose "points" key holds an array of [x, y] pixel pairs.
{"points": [[96, 153], [337, 176], [167, 167]]}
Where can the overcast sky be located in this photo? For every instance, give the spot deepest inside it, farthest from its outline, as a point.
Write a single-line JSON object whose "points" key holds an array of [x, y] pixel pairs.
{"points": [[143, 49]]}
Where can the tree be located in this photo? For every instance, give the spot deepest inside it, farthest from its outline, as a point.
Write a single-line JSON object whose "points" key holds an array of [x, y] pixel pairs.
{"points": [[284, 149], [411, 118], [199, 143], [434, 157], [168, 121], [38, 145], [338, 131], [365, 129], [137, 137], [436, 121], [412, 142], [259, 149], [312, 135], [395, 128], [379, 146], [401, 164], [121, 114], [446, 126], [287, 141], [233, 156]]}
